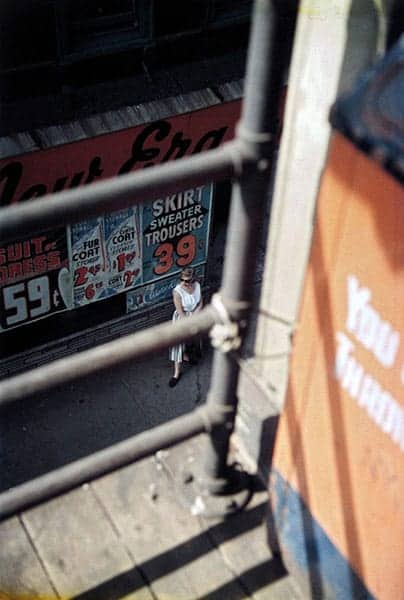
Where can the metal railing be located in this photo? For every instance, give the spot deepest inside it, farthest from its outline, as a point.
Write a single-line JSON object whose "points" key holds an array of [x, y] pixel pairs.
{"points": [[246, 160]]}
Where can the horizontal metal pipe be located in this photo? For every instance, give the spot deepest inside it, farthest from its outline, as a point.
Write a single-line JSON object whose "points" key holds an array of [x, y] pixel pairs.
{"points": [[75, 205], [101, 463], [124, 349]]}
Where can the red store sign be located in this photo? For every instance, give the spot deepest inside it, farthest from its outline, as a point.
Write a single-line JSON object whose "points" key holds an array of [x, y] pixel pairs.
{"points": [[74, 164]]}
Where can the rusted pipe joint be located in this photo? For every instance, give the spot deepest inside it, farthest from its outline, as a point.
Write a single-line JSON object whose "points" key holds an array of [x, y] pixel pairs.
{"points": [[242, 160], [249, 152], [236, 310], [256, 148]]}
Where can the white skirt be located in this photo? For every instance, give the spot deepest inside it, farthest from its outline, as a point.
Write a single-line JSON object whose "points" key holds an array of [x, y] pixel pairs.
{"points": [[176, 353]]}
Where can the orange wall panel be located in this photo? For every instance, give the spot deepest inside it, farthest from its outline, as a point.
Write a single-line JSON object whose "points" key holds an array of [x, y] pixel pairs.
{"points": [[340, 442]]}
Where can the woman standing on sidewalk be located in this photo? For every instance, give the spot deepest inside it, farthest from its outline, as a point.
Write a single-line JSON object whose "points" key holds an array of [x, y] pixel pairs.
{"points": [[187, 298]]}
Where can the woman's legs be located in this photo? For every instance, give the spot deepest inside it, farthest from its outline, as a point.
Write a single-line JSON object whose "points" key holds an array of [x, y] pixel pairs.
{"points": [[177, 369], [177, 374], [176, 356]]}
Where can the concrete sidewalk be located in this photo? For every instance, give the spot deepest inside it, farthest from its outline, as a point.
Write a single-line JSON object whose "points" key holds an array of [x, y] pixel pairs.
{"points": [[131, 535], [72, 421]]}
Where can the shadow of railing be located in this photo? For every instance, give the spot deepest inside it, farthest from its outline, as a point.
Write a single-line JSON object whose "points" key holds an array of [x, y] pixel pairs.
{"points": [[53, 429], [253, 580], [183, 554]]}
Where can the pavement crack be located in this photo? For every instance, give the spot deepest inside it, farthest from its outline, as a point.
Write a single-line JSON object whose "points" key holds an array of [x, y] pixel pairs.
{"points": [[233, 570], [38, 556], [119, 537]]}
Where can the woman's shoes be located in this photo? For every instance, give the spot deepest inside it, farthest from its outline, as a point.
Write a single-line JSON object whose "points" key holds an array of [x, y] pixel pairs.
{"points": [[174, 380]]}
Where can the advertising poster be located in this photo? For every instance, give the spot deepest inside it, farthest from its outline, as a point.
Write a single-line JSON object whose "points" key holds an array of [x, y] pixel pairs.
{"points": [[123, 251], [156, 292], [176, 232], [34, 279], [88, 261], [91, 265]]}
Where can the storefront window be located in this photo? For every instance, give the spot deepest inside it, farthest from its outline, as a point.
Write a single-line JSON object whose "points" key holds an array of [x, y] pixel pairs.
{"points": [[99, 26], [180, 16], [27, 33], [230, 10], [96, 17]]}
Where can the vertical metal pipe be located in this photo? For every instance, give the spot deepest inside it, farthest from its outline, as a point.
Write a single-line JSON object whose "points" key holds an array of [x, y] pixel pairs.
{"points": [[269, 50]]}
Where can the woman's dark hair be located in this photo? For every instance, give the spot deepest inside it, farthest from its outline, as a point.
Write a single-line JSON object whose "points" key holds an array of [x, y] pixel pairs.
{"points": [[188, 272]]}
